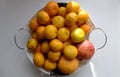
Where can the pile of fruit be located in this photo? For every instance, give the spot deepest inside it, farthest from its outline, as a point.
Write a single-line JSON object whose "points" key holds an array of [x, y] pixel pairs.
{"points": [[59, 37]]}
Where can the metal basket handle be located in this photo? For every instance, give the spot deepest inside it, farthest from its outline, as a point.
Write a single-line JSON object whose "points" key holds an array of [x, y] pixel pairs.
{"points": [[21, 37], [105, 38]]}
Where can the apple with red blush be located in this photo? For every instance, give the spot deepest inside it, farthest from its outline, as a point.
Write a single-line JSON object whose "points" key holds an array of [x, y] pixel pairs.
{"points": [[85, 50]]}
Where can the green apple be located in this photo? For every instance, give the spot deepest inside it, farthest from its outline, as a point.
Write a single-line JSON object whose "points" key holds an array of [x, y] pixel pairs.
{"points": [[77, 35]]}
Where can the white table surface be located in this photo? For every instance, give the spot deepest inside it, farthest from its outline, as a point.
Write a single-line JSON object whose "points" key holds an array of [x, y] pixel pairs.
{"points": [[14, 14]]}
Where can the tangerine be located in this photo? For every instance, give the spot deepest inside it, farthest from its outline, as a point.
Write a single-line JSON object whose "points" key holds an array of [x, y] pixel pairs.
{"points": [[38, 59], [43, 17], [56, 45], [33, 24], [49, 66], [52, 8], [50, 32]]}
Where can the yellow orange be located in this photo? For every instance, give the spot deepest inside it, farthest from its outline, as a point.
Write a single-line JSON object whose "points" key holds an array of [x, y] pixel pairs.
{"points": [[45, 47], [70, 52], [35, 36], [68, 66], [63, 34], [62, 11], [68, 42], [38, 48], [72, 6], [38, 59], [55, 45], [50, 32], [58, 21], [43, 17], [32, 44], [33, 24], [71, 18], [49, 66], [52, 8], [86, 28], [54, 56], [40, 32], [82, 16], [78, 35]]}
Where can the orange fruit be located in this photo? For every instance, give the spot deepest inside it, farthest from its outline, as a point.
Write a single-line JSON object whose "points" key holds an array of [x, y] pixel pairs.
{"points": [[55, 45], [70, 52], [43, 17], [38, 48], [40, 32], [86, 28], [62, 11], [72, 6], [49, 66], [32, 44], [63, 34], [45, 47], [33, 24], [71, 28], [68, 66], [68, 42], [52, 8], [58, 21], [82, 16], [35, 36], [71, 18], [50, 32], [54, 56], [51, 19], [38, 59], [78, 35]]}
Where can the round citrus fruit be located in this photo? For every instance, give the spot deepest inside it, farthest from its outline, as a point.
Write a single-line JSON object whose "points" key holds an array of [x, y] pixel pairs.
{"points": [[71, 18], [77, 35], [55, 45], [82, 16], [43, 17], [49, 66], [38, 59], [50, 32], [35, 36], [52, 8], [38, 48], [58, 21], [62, 11], [51, 19], [68, 66], [70, 52], [63, 34], [40, 32], [86, 28], [32, 44], [68, 42], [54, 56], [72, 6], [45, 47], [33, 24]]}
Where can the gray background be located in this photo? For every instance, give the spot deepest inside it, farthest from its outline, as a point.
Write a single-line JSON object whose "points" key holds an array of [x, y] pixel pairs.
{"points": [[14, 14]]}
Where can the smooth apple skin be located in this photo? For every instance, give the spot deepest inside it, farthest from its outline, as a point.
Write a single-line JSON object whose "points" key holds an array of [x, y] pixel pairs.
{"points": [[86, 50]]}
